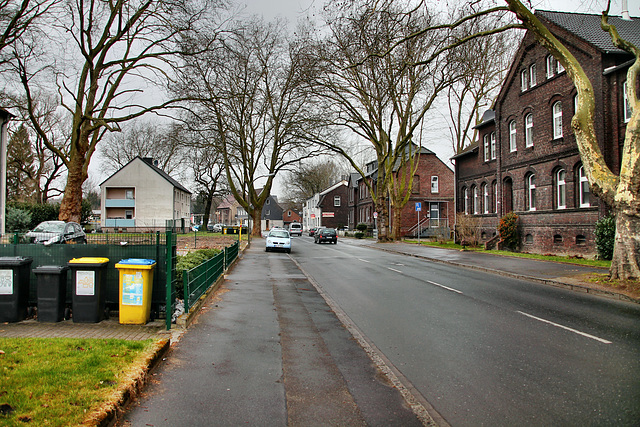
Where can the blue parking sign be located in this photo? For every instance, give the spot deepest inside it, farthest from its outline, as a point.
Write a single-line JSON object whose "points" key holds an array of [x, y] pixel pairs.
{"points": [[418, 206]]}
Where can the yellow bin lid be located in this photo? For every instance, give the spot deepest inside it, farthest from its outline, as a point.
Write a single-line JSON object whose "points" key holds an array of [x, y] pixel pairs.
{"points": [[89, 260]]}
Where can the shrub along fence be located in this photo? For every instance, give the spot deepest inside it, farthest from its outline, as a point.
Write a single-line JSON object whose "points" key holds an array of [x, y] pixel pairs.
{"points": [[161, 247]]}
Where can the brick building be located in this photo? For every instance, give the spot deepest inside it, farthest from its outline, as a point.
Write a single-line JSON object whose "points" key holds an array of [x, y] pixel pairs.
{"points": [[433, 188], [329, 208], [526, 159]]}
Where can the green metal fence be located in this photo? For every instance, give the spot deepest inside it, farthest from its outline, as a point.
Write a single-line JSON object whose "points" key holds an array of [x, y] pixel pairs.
{"points": [[199, 279]]}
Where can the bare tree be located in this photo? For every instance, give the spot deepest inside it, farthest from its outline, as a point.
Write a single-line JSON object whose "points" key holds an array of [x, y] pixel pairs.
{"points": [[162, 142], [102, 55], [371, 77], [307, 179], [257, 105]]}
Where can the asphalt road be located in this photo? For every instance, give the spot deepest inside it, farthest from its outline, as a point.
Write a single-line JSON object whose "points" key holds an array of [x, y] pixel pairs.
{"points": [[485, 349]]}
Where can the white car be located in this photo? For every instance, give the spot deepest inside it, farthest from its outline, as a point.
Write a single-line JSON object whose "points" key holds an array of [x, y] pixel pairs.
{"points": [[278, 240], [295, 228]]}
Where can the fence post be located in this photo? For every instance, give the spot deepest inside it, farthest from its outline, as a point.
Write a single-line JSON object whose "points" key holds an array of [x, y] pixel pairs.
{"points": [[224, 262], [186, 290], [169, 302]]}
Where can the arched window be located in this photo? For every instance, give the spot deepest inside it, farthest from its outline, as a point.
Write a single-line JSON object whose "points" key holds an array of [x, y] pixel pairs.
{"points": [[507, 195], [476, 200], [465, 192], [532, 75], [524, 80], [531, 192], [528, 130], [495, 196], [561, 189], [486, 195], [512, 136], [583, 191], [551, 71], [557, 120]]}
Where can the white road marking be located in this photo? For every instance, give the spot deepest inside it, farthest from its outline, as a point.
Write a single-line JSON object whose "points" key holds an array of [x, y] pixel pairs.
{"points": [[566, 328], [444, 287], [363, 260], [393, 269]]}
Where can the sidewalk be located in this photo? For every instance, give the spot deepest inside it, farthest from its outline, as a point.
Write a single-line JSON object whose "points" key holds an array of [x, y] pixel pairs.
{"points": [[268, 350]]}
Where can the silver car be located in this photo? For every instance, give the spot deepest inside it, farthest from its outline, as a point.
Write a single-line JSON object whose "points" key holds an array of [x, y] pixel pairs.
{"points": [[50, 232]]}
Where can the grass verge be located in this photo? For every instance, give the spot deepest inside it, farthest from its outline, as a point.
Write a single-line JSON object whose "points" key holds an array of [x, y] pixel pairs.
{"points": [[63, 381]]}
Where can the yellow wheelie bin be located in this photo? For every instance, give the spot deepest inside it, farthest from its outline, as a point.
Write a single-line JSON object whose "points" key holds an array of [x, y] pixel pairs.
{"points": [[136, 285]]}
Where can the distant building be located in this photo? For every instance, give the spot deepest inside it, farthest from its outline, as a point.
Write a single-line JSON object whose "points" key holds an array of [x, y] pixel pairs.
{"points": [[329, 208], [271, 214], [140, 195]]}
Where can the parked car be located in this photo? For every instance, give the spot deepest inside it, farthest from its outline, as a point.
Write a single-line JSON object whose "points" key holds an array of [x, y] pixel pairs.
{"points": [[313, 231], [50, 232], [295, 228], [216, 228], [326, 235], [279, 240]]}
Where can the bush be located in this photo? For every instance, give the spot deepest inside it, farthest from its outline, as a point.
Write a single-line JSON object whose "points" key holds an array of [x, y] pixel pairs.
{"points": [[605, 236], [508, 229], [362, 227], [359, 234], [39, 212], [468, 230], [18, 220]]}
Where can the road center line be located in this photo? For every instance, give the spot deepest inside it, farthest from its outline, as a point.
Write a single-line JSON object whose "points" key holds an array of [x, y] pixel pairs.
{"points": [[444, 287], [393, 269], [566, 328], [363, 260]]}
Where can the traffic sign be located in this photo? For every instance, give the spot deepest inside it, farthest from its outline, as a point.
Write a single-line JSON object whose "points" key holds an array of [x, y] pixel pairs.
{"points": [[418, 206]]}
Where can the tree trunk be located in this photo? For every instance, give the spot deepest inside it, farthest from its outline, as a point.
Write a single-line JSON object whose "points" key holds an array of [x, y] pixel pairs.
{"points": [[71, 205], [256, 229], [396, 226], [626, 253], [383, 220]]}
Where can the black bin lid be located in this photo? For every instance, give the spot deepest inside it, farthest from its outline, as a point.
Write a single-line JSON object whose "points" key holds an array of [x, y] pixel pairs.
{"points": [[50, 269]]}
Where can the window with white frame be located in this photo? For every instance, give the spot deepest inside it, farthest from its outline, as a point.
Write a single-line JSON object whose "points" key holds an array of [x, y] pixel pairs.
{"points": [[465, 192], [528, 130], [551, 69], [336, 201], [559, 67], [584, 188], [532, 75], [495, 196], [625, 103], [435, 187], [524, 80], [561, 189], [512, 136], [128, 194], [486, 148], [557, 120], [493, 146], [486, 196], [531, 192], [476, 200]]}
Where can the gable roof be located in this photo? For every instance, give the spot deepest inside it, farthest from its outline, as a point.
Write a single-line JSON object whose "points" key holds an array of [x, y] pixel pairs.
{"points": [[587, 27], [149, 163]]}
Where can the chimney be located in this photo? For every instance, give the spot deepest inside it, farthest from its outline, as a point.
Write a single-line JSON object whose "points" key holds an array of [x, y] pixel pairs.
{"points": [[625, 11]]}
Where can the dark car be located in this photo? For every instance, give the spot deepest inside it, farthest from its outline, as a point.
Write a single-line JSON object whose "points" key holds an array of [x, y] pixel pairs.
{"points": [[312, 231], [326, 235], [50, 232]]}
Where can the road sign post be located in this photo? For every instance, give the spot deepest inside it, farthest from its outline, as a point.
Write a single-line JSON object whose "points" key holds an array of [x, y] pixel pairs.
{"points": [[418, 209]]}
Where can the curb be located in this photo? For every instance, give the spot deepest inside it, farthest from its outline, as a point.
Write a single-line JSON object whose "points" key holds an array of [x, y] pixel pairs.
{"points": [[111, 411], [550, 282]]}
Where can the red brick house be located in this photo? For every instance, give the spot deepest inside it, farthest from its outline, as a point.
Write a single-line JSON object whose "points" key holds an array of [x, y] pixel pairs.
{"points": [[433, 189], [526, 159]]}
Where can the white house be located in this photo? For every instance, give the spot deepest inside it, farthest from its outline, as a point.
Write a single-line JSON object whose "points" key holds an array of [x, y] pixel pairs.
{"points": [[141, 195]]}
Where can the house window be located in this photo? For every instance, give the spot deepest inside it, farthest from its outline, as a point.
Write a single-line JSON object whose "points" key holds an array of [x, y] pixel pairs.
{"points": [[128, 194], [336, 201], [550, 66], [289, 213], [557, 120], [626, 104], [487, 200], [584, 188], [531, 192], [476, 200], [434, 184], [267, 212], [532, 75], [465, 192], [512, 136], [128, 214], [561, 189], [486, 148], [495, 196], [524, 81], [559, 67], [528, 131], [493, 145]]}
